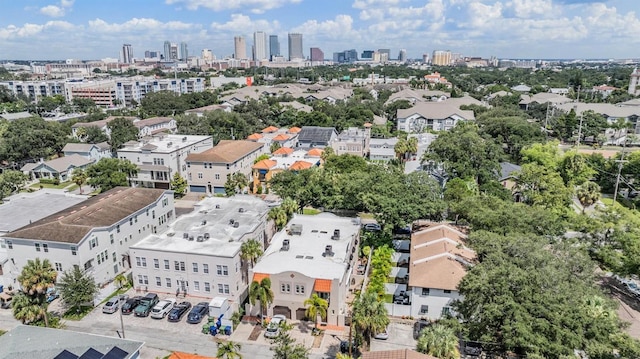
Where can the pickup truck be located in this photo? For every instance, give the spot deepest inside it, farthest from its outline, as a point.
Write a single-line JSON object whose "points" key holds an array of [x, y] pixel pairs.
{"points": [[146, 304]]}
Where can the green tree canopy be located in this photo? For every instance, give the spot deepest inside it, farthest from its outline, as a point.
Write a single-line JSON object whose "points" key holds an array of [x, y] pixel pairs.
{"points": [[110, 172], [77, 289], [122, 130]]}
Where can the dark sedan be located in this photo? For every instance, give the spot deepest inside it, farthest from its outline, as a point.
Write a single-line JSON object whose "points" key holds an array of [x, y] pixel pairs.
{"points": [[178, 312], [198, 313], [130, 305]]}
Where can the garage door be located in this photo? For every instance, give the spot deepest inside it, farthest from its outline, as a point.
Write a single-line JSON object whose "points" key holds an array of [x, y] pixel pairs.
{"points": [[198, 189], [282, 310], [301, 314]]}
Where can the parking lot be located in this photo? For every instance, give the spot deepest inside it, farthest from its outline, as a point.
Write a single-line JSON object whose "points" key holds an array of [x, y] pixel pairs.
{"points": [[400, 337]]}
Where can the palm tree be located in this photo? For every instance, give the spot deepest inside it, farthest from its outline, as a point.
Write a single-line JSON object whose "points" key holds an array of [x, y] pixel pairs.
{"points": [[279, 217], [290, 206], [79, 177], [27, 310], [241, 181], [369, 315], [439, 341], [36, 277], [121, 279], [229, 350], [316, 306], [263, 293], [250, 251], [588, 193]]}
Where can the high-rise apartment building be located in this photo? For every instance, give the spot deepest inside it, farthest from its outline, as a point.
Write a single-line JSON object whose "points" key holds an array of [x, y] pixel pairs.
{"points": [[173, 54], [240, 48], [184, 51], [274, 46], [441, 58], [127, 54], [167, 51], [207, 55], [402, 56], [151, 54], [316, 54], [260, 46], [295, 46], [367, 54]]}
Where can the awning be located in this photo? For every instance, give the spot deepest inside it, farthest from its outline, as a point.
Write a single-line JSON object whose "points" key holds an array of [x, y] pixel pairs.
{"points": [[258, 277], [322, 286]]}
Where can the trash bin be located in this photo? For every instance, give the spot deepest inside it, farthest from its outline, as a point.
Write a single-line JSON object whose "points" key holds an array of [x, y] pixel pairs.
{"points": [[205, 329], [213, 330], [227, 330]]}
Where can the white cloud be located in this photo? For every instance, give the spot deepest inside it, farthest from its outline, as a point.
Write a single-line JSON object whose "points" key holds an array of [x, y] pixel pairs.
{"points": [[67, 3], [138, 24], [341, 26], [255, 6], [31, 30], [240, 23], [482, 15], [528, 8], [52, 11], [364, 4]]}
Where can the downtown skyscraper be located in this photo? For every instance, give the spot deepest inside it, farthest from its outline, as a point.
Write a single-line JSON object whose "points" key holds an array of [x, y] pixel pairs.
{"points": [[295, 46], [260, 49], [274, 46], [240, 48], [127, 54]]}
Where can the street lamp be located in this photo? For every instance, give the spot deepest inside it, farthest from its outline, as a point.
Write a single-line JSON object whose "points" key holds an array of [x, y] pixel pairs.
{"points": [[122, 297]]}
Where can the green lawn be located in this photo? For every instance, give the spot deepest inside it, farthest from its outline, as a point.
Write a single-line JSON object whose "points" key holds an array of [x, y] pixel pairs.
{"points": [[310, 211], [62, 185], [388, 298]]}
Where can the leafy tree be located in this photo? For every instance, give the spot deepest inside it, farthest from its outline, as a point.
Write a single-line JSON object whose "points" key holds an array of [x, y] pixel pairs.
{"points": [[285, 347], [278, 216], [262, 292], [345, 163], [77, 289], [11, 182], [122, 130], [163, 103], [316, 306], [439, 341], [110, 172], [235, 183], [369, 316], [513, 132], [93, 134], [178, 185], [229, 350], [588, 194], [542, 186], [264, 156], [32, 138], [575, 168], [83, 104], [544, 154], [79, 177], [36, 277]]}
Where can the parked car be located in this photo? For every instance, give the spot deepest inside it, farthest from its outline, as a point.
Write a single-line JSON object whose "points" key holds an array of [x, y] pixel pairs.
{"points": [[344, 348], [163, 308], [473, 349], [198, 312], [383, 335], [632, 288], [418, 326], [273, 329], [146, 304], [402, 230], [361, 268], [130, 305], [371, 227], [52, 294], [178, 311], [112, 305]]}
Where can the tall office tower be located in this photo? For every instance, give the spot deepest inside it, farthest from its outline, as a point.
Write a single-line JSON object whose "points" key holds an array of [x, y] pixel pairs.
{"points": [[634, 82], [184, 51], [274, 46], [167, 50], [385, 51], [441, 58], [174, 55], [402, 56], [260, 46], [295, 46], [127, 54], [207, 55], [367, 55], [240, 48], [147, 54], [316, 54], [425, 58]]}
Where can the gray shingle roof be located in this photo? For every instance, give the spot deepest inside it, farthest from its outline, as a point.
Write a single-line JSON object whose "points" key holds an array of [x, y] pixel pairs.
{"points": [[316, 134]]}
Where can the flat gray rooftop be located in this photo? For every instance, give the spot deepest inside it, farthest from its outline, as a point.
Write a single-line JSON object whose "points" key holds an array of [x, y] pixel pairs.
{"points": [[23, 208], [211, 216]]}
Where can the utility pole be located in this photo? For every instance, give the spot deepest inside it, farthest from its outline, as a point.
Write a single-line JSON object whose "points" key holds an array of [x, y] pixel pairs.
{"points": [[620, 162], [575, 108], [120, 310]]}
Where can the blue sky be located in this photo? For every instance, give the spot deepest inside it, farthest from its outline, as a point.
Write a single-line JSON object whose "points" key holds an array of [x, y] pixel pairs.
{"points": [[94, 29]]}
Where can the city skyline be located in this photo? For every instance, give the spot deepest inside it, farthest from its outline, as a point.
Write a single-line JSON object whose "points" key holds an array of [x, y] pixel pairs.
{"points": [[509, 28]]}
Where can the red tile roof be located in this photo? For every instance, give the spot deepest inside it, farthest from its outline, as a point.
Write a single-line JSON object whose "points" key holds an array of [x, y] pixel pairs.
{"points": [[322, 285], [315, 152], [283, 151], [258, 277], [254, 137], [270, 129], [264, 164], [300, 165], [281, 137], [295, 130]]}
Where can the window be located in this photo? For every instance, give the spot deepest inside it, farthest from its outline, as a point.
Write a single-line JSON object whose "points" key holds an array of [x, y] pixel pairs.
{"points": [[447, 291], [138, 262], [199, 174], [196, 285], [207, 287], [136, 219], [74, 250], [158, 282], [37, 247], [217, 176], [113, 255], [446, 311], [195, 267], [285, 288], [118, 228], [111, 238], [45, 247], [179, 266], [93, 242], [222, 270], [153, 214], [9, 244], [299, 289], [59, 267], [166, 264], [131, 221], [223, 288], [168, 281], [143, 279], [425, 292], [205, 268], [424, 309], [156, 263]]}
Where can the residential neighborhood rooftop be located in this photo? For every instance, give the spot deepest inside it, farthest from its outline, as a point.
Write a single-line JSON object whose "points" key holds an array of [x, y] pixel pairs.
{"points": [[23, 208], [305, 252], [60, 164], [225, 221], [164, 143], [226, 151], [85, 147], [72, 224]]}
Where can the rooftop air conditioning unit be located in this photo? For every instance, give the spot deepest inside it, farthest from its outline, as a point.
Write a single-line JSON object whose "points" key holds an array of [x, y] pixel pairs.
{"points": [[204, 222], [169, 144], [328, 251], [185, 235], [184, 139], [241, 210], [190, 238], [217, 206], [285, 245], [232, 221], [236, 224], [336, 234], [200, 239], [207, 236]]}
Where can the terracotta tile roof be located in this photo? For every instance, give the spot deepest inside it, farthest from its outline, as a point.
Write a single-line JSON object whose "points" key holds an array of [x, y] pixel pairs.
{"points": [[322, 286], [281, 137], [264, 164], [226, 151], [258, 277], [315, 152], [254, 137], [294, 130], [300, 165], [270, 129], [179, 355], [396, 354], [283, 151], [75, 222]]}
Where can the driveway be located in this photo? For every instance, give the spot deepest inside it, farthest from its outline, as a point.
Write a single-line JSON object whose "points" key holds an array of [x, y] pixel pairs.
{"points": [[400, 337]]}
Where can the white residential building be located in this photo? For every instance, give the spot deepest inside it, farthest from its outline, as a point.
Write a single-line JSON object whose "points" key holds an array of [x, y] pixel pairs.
{"points": [[382, 149], [160, 157], [199, 254], [89, 151], [93, 235], [313, 254], [433, 116]]}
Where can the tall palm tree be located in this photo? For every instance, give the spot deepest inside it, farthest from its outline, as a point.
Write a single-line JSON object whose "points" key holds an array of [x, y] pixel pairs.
{"points": [[588, 194], [27, 310], [79, 177], [290, 206], [263, 293], [279, 217], [439, 341], [369, 315], [229, 350], [36, 277], [250, 251], [316, 306]]}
